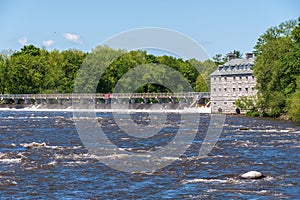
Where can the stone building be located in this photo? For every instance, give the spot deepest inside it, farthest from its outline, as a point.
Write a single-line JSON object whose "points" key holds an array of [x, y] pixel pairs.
{"points": [[230, 81]]}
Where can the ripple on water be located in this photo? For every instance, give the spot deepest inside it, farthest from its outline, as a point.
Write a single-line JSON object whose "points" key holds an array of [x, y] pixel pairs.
{"points": [[42, 152]]}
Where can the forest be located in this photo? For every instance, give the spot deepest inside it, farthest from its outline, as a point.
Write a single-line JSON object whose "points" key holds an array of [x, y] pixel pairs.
{"points": [[33, 70]]}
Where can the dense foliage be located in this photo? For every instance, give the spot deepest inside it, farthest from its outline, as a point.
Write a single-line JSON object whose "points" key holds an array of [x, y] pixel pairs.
{"points": [[34, 70], [277, 70]]}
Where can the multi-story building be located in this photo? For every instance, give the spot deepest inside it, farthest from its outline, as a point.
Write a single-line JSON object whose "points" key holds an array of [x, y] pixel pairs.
{"points": [[231, 81]]}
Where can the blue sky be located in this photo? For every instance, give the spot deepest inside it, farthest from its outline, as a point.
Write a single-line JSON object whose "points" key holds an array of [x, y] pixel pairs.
{"points": [[219, 26]]}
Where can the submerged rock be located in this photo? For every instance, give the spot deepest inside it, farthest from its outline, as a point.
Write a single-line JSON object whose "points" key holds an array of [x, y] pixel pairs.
{"points": [[244, 128], [252, 175]]}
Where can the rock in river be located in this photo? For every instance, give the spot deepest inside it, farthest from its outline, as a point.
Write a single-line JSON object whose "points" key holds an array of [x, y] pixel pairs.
{"points": [[252, 175]]}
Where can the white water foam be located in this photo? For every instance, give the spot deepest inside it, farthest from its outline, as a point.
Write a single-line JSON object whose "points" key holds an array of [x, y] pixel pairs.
{"points": [[69, 109], [10, 160]]}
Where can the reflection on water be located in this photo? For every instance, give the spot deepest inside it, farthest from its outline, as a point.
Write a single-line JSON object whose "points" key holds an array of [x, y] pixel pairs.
{"points": [[41, 156]]}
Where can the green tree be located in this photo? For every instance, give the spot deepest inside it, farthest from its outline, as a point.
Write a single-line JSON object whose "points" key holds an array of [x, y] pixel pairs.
{"points": [[201, 85], [25, 71], [97, 66], [276, 67], [71, 61], [235, 53], [294, 103], [205, 68], [2, 73], [218, 59], [247, 103]]}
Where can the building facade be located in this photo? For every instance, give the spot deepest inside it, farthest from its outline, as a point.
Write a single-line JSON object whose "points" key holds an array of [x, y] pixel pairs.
{"points": [[230, 81]]}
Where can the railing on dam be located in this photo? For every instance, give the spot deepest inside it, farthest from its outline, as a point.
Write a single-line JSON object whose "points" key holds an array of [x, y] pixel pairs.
{"points": [[111, 95]]}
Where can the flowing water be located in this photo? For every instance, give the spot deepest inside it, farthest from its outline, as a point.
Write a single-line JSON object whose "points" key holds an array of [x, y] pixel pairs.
{"points": [[42, 156]]}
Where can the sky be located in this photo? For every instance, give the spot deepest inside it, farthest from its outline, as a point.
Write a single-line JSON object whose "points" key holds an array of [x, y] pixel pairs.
{"points": [[219, 26]]}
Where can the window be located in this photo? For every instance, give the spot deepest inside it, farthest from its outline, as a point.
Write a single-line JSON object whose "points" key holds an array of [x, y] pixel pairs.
{"points": [[246, 90], [219, 78], [225, 103], [240, 89], [214, 89], [214, 78], [225, 89], [252, 77], [240, 78], [252, 89], [225, 78], [247, 78], [220, 89], [233, 89], [234, 78]]}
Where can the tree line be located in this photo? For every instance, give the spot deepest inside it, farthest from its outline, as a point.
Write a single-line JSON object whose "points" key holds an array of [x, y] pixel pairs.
{"points": [[33, 70]]}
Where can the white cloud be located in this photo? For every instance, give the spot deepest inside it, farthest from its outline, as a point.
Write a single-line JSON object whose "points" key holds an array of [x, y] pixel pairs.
{"points": [[72, 37], [48, 43], [23, 41]]}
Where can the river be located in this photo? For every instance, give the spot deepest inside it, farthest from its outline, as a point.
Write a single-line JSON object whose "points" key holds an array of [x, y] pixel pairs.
{"points": [[42, 157]]}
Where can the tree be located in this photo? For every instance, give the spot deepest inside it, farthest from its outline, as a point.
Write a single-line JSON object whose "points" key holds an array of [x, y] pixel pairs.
{"points": [[235, 53], [204, 68], [201, 85], [71, 61], [277, 66], [218, 59], [294, 103], [247, 103], [25, 71], [97, 65], [29, 50], [2, 73]]}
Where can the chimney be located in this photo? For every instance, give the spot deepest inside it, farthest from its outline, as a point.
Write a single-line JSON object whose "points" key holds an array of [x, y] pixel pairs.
{"points": [[230, 56], [249, 55]]}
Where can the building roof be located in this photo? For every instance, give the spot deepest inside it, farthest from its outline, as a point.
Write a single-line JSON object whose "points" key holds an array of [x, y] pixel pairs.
{"points": [[235, 66]]}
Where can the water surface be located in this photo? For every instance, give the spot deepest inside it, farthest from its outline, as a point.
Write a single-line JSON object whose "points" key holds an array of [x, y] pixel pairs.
{"points": [[59, 166]]}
